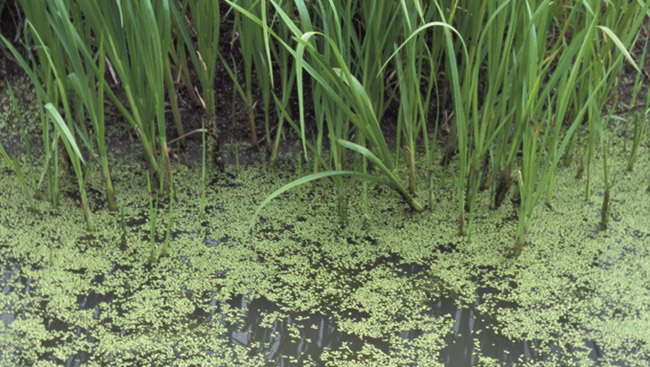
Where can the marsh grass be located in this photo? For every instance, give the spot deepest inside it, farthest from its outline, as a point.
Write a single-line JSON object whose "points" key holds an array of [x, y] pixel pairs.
{"points": [[505, 90], [639, 134], [256, 56], [533, 78], [156, 251], [640, 131], [76, 159], [64, 129], [83, 80], [42, 81], [29, 188], [153, 221], [609, 180], [203, 173], [204, 54], [345, 104], [164, 251], [137, 37]]}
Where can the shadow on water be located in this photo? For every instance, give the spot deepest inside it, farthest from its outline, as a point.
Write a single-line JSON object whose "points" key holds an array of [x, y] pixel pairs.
{"points": [[473, 334], [300, 338], [12, 282], [90, 301], [296, 338]]}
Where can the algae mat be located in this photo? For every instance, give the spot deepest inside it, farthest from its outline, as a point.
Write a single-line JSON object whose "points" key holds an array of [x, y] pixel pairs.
{"points": [[400, 289]]}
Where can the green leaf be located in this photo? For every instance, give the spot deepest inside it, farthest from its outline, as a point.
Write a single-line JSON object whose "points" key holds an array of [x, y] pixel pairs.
{"points": [[305, 179], [63, 129], [619, 45]]}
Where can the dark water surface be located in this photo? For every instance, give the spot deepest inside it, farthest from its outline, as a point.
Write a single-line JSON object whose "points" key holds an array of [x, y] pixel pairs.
{"points": [[300, 338]]}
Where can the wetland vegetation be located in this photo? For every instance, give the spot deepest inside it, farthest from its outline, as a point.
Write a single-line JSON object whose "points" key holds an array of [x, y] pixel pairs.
{"points": [[361, 183]]}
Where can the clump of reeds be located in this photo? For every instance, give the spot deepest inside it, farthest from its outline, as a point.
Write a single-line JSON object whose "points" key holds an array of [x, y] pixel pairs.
{"points": [[542, 65], [511, 85]]}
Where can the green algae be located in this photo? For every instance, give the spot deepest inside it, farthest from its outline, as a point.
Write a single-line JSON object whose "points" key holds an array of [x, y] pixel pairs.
{"points": [[92, 296]]}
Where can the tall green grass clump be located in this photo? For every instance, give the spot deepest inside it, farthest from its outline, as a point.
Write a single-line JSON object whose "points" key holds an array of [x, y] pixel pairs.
{"points": [[85, 78], [338, 59], [40, 72], [519, 78], [503, 90], [65, 131], [205, 20], [29, 188], [137, 37]]}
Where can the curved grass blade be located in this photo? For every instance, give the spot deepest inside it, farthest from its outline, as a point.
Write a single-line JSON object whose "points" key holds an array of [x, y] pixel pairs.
{"points": [[391, 181], [63, 129], [308, 178], [15, 166], [617, 41]]}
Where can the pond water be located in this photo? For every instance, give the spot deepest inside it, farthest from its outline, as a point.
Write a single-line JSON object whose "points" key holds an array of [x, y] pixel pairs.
{"points": [[401, 289], [300, 338]]}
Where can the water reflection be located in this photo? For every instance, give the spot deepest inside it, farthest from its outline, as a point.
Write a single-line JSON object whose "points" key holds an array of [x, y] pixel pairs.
{"points": [[8, 273], [472, 334], [296, 338], [12, 282]]}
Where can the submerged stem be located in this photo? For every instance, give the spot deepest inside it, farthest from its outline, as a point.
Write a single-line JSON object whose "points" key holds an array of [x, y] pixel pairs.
{"points": [[605, 211]]}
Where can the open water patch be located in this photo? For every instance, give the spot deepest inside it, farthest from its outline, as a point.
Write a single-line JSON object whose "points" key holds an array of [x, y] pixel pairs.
{"points": [[286, 338], [281, 336]]}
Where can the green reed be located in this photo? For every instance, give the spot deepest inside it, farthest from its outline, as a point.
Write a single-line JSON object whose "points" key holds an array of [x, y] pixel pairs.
{"points": [[537, 61], [638, 80], [179, 59], [153, 221], [343, 95], [608, 180], [204, 27], [252, 40], [283, 62], [137, 36], [640, 131], [329, 118], [203, 173], [76, 159], [29, 188], [37, 14], [41, 76], [506, 89], [206, 21], [164, 251], [65, 129], [83, 80], [640, 126]]}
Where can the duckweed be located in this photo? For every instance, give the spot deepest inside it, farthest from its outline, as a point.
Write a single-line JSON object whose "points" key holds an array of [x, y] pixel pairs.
{"points": [[375, 290]]}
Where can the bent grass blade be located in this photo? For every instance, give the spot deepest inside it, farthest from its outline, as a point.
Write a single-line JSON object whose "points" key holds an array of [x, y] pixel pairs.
{"points": [[308, 178]]}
